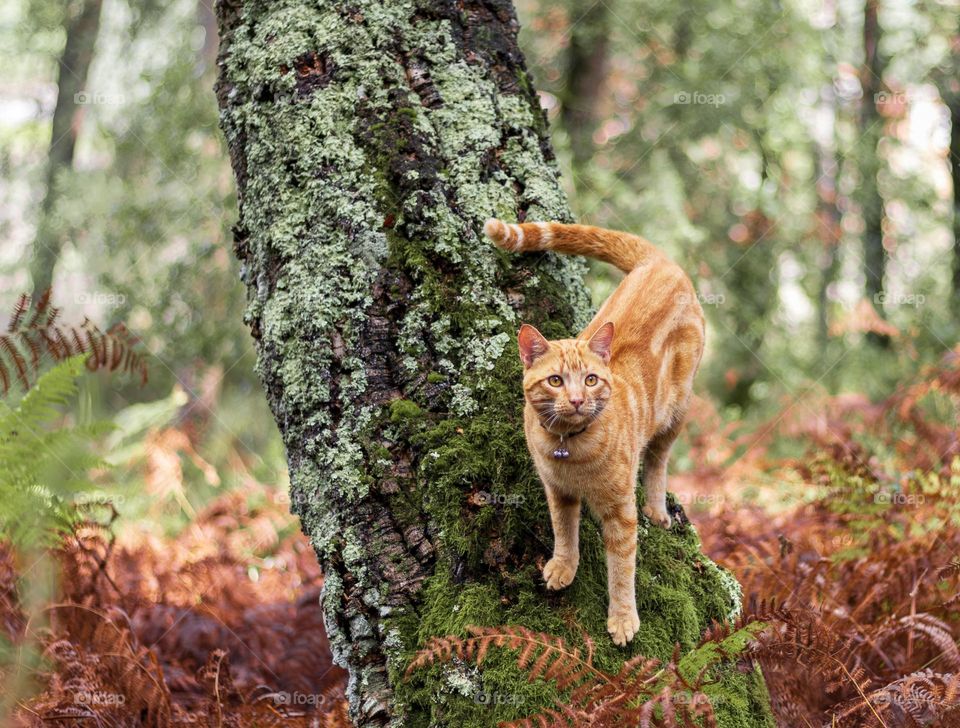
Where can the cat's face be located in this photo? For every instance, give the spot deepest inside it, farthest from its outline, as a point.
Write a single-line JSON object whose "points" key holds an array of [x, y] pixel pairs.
{"points": [[568, 382]]}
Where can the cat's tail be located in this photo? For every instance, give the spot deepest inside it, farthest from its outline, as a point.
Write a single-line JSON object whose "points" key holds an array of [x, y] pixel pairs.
{"points": [[623, 250]]}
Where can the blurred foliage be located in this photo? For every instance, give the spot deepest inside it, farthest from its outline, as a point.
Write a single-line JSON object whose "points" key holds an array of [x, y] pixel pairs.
{"points": [[145, 214], [705, 138], [725, 132]]}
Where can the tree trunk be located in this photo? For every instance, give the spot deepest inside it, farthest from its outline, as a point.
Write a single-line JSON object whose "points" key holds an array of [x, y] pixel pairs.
{"points": [[955, 176], [954, 160], [871, 202], [369, 142], [829, 217], [586, 73], [82, 24], [947, 78]]}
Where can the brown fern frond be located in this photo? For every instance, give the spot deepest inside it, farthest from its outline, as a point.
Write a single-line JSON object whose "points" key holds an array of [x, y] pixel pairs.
{"points": [[939, 634], [19, 309], [33, 331], [95, 345], [539, 654], [40, 309], [916, 699], [644, 691], [8, 347]]}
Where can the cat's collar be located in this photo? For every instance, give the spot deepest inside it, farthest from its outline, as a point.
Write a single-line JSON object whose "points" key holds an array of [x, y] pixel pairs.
{"points": [[561, 452], [566, 434]]}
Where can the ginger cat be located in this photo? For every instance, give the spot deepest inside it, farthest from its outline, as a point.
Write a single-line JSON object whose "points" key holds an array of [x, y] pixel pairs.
{"points": [[598, 404]]}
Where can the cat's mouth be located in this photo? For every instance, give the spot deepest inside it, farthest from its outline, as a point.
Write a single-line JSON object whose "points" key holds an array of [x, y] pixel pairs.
{"points": [[567, 420]]}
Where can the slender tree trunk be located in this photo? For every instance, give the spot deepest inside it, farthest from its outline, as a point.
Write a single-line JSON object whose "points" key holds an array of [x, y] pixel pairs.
{"points": [[207, 19], [954, 158], [82, 26], [947, 79], [586, 74], [369, 141], [828, 215], [828, 222], [871, 130]]}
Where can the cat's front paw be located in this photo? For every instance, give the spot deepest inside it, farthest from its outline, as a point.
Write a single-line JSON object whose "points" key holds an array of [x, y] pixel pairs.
{"points": [[559, 573], [657, 516], [622, 626]]}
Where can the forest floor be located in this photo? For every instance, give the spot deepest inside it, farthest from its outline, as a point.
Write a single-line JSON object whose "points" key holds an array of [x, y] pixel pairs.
{"points": [[856, 536]]}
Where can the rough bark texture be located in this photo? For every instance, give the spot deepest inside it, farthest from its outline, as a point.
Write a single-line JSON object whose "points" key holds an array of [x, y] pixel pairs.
{"points": [[369, 141]]}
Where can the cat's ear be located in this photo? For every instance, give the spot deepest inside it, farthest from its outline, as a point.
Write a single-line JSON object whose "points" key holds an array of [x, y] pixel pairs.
{"points": [[601, 342], [532, 344]]}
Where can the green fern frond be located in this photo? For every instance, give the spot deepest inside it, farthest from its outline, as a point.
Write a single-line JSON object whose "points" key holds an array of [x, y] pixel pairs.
{"points": [[45, 462]]}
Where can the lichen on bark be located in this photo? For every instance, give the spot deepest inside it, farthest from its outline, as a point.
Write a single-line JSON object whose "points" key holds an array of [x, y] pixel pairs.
{"points": [[369, 141]]}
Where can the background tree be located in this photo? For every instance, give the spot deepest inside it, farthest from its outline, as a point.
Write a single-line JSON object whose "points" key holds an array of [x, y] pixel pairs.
{"points": [[369, 141], [81, 22], [871, 131], [948, 81], [585, 86]]}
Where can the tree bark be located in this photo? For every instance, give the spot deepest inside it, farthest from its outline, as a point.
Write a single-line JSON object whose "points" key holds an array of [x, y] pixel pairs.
{"points": [[82, 25], [369, 141]]}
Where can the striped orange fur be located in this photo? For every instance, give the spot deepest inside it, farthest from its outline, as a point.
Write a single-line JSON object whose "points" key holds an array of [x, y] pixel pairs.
{"points": [[602, 403]]}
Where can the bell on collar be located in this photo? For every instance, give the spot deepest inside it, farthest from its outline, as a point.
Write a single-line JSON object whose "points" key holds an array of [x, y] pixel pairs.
{"points": [[561, 453]]}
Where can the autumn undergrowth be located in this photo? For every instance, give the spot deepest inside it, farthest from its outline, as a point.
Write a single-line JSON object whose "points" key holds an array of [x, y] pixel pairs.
{"points": [[846, 549]]}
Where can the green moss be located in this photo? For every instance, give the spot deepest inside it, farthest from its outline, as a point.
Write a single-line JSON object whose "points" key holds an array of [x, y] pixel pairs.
{"points": [[404, 409], [486, 502]]}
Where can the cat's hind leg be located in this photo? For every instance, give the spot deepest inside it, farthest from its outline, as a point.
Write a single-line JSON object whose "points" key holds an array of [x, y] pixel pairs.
{"points": [[655, 473]]}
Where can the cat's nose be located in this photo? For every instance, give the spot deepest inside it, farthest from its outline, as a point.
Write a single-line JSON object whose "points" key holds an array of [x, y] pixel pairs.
{"points": [[576, 403]]}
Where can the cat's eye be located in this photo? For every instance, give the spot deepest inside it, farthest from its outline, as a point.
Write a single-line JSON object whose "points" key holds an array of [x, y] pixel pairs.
{"points": [[591, 380], [554, 380]]}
